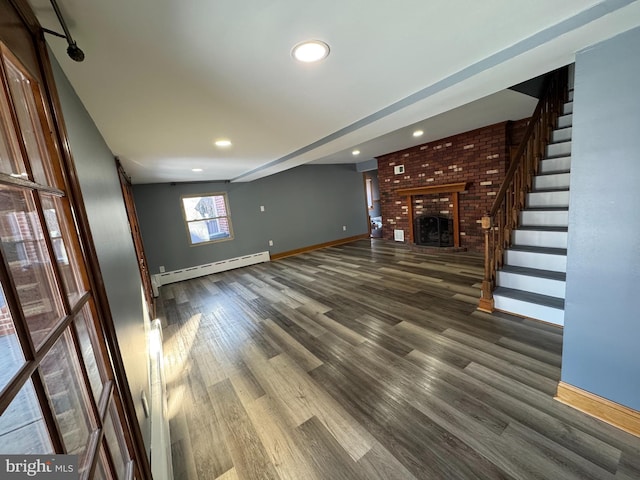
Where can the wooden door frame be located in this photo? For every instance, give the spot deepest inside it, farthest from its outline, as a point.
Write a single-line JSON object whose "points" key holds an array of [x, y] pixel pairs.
{"points": [[138, 245]]}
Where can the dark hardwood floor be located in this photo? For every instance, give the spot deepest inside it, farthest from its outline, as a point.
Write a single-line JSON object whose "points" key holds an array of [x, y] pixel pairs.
{"points": [[369, 361]]}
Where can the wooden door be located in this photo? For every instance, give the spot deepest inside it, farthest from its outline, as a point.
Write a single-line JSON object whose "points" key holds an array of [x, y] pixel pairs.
{"points": [[62, 383], [134, 226]]}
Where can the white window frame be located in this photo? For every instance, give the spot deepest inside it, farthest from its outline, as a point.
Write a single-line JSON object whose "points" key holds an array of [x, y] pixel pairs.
{"points": [[225, 218]]}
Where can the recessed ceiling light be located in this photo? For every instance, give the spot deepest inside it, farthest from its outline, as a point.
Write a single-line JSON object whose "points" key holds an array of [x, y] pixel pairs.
{"points": [[310, 51], [356, 152], [196, 170], [223, 142], [418, 133]]}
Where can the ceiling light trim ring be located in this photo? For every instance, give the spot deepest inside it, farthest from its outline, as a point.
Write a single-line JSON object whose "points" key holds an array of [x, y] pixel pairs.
{"points": [[310, 51]]}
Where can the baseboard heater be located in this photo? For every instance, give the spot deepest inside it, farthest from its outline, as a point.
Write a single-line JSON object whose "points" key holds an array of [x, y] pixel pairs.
{"points": [[201, 270]]}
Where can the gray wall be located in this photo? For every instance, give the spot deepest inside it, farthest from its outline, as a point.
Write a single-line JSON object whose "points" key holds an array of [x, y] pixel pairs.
{"points": [[602, 319], [102, 196], [304, 206]]}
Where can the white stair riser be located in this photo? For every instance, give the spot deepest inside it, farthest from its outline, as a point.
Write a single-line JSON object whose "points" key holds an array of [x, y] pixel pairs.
{"points": [[548, 199], [570, 95], [561, 135], [543, 286], [560, 164], [567, 108], [558, 180], [542, 261], [540, 238], [565, 121], [531, 310], [544, 218], [559, 149]]}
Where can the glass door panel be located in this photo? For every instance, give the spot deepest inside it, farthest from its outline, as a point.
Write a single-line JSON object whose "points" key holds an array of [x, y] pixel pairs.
{"points": [[99, 473], [102, 471], [66, 252], [88, 348], [12, 357], [11, 161], [68, 397], [22, 427], [115, 441], [26, 254], [24, 93]]}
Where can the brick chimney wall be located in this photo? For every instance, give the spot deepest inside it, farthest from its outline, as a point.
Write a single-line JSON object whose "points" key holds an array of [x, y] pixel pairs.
{"points": [[479, 157]]}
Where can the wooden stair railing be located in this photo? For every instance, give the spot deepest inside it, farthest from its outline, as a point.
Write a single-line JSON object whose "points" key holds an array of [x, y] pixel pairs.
{"points": [[503, 217]]}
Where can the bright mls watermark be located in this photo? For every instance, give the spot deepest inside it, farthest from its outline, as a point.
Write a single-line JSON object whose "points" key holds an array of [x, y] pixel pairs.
{"points": [[51, 467]]}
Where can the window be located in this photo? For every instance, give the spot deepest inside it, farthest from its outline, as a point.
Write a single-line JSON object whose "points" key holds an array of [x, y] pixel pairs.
{"points": [[207, 218]]}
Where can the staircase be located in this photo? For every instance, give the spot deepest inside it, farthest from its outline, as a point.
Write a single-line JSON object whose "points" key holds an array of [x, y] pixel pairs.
{"points": [[525, 230], [531, 282]]}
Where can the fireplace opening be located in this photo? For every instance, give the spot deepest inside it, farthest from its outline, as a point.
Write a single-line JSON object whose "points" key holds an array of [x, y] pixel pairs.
{"points": [[433, 231]]}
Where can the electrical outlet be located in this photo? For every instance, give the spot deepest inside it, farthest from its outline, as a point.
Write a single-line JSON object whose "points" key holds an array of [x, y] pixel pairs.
{"points": [[161, 268], [344, 228], [262, 208], [271, 243]]}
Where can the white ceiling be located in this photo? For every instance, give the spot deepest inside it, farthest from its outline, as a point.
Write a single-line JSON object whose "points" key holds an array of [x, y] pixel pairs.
{"points": [[163, 79]]}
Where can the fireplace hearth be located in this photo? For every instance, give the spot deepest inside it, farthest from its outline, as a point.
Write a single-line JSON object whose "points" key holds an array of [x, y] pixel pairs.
{"points": [[433, 231]]}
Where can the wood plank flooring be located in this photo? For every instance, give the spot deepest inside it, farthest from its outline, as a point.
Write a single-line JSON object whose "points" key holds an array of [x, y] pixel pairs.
{"points": [[369, 361]]}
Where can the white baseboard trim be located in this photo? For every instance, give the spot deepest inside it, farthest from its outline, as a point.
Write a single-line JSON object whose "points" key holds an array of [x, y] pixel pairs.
{"points": [[161, 462], [201, 270]]}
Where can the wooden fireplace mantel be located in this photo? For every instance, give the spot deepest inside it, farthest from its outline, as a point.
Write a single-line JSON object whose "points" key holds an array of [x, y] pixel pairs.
{"points": [[453, 188]]}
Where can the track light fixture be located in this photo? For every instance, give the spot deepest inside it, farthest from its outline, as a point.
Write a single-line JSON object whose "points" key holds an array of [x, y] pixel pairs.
{"points": [[73, 50]]}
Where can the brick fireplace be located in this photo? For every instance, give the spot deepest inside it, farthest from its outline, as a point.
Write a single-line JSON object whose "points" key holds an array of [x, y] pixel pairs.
{"points": [[476, 159]]}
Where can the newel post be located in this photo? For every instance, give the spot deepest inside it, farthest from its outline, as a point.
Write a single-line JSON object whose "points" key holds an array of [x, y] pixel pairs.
{"points": [[486, 298]]}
